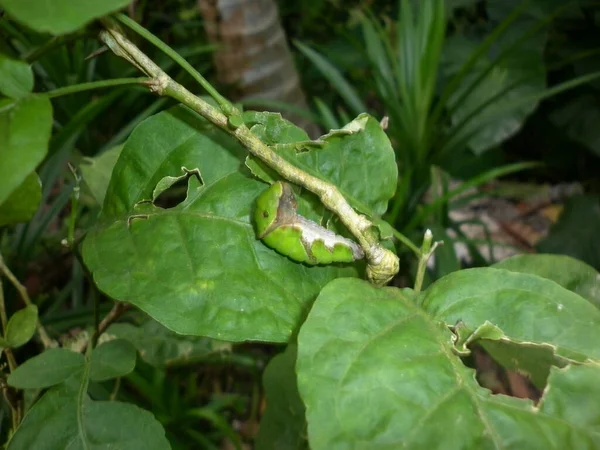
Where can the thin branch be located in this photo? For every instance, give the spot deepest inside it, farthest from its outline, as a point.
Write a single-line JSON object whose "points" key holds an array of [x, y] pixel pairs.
{"points": [[117, 311], [82, 87], [382, 263]]}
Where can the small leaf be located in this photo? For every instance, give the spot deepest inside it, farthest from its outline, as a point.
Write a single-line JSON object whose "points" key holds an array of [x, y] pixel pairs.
{"points": [[570, 273], [21, 326], [283, 425], [23, 202], [112, 359], [97, 171], [162, 347], [65, 418], [16, 77], [47, 369], [59, 16], [25, 127]]}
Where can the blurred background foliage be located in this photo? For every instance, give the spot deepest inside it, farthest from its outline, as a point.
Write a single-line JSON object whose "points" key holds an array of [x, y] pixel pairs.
{"points": [[473, 90]]}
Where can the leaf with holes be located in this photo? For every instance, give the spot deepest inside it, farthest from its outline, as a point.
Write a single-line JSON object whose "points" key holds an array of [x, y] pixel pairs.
{"points": [[376, 371], [196, 266]]}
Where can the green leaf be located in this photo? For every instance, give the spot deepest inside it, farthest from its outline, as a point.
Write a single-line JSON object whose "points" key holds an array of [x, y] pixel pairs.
{"points": [[197, 267], [162, 347], [347, 157], [23, 202], [25, 127], [47, 369], [376, 372], [283, 425], [65, 417], [112, 359], [16, 77], [521, 74], [576, 232], [21, 326], [570, 273], [59, 16], [97, 171], [526, 308]]}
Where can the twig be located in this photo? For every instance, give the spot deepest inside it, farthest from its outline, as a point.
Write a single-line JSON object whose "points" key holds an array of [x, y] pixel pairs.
{"points": [[382, 263], [427, 250], [117, 311], [45, 338]]}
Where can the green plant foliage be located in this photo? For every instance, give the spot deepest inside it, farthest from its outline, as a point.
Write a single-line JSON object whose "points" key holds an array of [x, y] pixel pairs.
{"points": [[16, 77], [47, 369], [23, 202], [517, 76], [569, 272], [96, 171], [188, 266], [65, 417], [283, 425], [25, 126], [570, 323], [576, 232], [21, 326], [59, 16], [362, 144], [578, 118], [375, 371], [112, 359], [162, 347]]}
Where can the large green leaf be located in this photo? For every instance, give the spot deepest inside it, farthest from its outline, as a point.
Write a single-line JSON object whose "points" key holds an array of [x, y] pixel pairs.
{"points": [[66, 418], [25, 127], [377, 372], [59, 16], [570, 273], [16, 77], [519, 75], [23, 202], [161, 347], [283, 425], [196, 267], [576, 232]]}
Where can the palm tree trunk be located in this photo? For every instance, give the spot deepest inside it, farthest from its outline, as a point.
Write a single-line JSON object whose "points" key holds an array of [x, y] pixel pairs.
{"points": [[253, 58]]}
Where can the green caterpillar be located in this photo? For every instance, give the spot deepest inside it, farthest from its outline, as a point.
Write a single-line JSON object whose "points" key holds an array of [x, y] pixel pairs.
{"points": [[282, 229]]}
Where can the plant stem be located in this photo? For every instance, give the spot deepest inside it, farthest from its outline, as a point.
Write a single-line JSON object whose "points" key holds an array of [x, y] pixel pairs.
{"points": [[427, 250], [74, 207], [223, 103], [82, 87], [117, 311], [25, 296], [382, 263]]}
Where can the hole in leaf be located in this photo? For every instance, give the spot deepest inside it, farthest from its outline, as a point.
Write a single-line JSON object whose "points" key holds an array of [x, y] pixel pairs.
{"points": [[173, 195], [514, 369], [171, 191]]}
